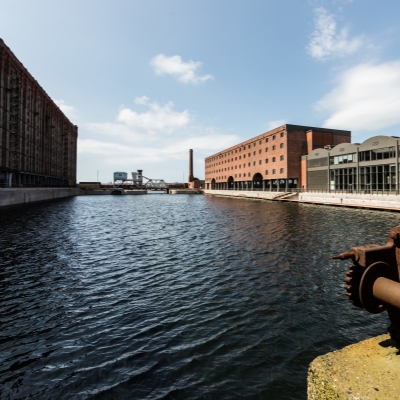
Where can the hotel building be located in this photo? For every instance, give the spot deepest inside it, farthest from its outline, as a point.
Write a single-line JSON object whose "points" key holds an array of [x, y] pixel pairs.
{"points": [[270, 161]]}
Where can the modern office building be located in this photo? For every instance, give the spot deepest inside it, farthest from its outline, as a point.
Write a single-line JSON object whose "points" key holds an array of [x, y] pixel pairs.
{"points": [[372, 166], [270, 161], [38, 143]]}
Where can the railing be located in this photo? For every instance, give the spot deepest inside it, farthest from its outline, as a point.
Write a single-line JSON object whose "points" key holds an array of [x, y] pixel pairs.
{"points": [[354, 191]]}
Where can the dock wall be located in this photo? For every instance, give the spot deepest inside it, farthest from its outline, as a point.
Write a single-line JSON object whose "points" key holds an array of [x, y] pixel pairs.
{"points": [[246, 194], [370, 201], [11, 197], [115, 191]]}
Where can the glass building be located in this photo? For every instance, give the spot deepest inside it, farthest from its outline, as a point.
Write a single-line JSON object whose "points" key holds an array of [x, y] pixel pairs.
{"points": [[372, 166]]}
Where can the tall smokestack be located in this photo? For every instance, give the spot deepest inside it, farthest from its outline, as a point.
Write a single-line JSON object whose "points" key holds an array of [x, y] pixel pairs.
{"points": [[191, 177]]}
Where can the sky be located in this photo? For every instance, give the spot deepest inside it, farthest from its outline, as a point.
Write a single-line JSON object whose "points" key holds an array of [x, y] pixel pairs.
{"points": [[147, 80]]}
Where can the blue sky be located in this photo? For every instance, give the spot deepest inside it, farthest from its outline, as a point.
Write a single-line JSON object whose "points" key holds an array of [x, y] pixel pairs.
{"points": [[147, 80]]}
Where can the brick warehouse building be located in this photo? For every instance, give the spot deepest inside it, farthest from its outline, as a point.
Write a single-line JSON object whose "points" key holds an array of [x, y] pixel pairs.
{"points": [[270, 161], [38, 143]]}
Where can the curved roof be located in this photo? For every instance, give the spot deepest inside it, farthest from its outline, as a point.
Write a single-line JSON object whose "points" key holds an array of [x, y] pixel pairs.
{"points": [[318, 153], [377, 142], [343, 148], [374, 142]]}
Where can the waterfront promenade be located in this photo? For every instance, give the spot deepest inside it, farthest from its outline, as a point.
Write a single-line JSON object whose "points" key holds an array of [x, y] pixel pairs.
{"points": [[377, 201]]}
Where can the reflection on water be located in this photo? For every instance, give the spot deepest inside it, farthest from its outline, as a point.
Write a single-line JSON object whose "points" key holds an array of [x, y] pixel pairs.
{"points": [[176, 297]]}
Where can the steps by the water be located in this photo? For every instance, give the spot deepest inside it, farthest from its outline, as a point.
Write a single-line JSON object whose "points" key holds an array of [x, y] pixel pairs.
{"points": [[287, 195]]}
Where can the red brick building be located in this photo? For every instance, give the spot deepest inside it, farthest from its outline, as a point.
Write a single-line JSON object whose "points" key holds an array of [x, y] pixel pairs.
{"points": [[38, 143], [270, 161]]}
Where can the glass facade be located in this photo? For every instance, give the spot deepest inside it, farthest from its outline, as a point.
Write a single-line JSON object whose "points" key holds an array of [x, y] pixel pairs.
{"points": [[378, 154], [365, 168], [370, 179], [318, 162], [379, 177], [343, 159], [343, 179]]}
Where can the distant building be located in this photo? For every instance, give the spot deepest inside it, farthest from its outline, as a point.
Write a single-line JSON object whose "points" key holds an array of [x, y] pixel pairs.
{"points": [[270, 161], [38, 143], [372, 166]]}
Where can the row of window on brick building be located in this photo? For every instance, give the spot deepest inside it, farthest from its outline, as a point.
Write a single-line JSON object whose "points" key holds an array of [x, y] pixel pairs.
{"points": [[248, 174], [281, 158], [244, 148]]}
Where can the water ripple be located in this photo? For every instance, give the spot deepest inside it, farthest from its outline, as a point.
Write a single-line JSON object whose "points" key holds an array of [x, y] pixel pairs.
{"points": [[175, 297]]}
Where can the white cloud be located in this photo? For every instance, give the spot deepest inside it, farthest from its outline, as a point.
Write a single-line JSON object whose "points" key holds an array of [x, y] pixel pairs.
{"points": [[184, 71], [157, 138], [275, 124], [68, 110], [157, 119], [326, 42], [366, 98], [133, 125], [144, 100], [176, 149]]}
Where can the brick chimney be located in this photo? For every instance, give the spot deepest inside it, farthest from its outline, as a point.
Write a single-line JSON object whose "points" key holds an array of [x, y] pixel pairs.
{"points": [[191, 177]]}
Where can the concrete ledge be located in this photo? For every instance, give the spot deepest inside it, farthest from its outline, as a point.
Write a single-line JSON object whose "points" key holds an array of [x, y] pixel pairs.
{"points": [[366, 370], [11, 197], [376, 201], [115, 191], [244, 193], [385, 202], [184, 191]]}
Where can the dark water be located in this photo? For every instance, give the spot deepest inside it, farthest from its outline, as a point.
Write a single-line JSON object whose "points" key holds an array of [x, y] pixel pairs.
{"points": [[175, 297]]}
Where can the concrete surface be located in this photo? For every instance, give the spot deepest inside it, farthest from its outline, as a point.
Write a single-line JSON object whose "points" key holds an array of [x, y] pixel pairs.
{"points": [[366, 370], [184, 191], [11, 196], [385, 201], [244, 193]]}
